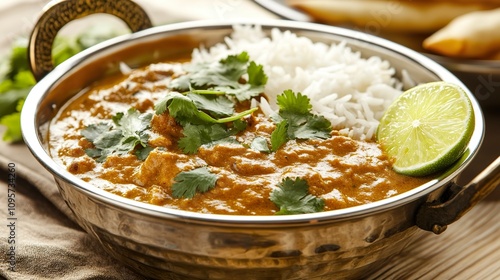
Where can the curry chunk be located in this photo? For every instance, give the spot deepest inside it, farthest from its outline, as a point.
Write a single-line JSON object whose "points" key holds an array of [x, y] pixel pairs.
{"points": [[161, 167], [165, 125], [81, 165]]}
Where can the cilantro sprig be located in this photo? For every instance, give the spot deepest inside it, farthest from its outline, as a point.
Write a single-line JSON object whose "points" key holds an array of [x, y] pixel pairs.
{"points": [[127, 133], [197, 135], [197, 109], [205, 118], [259, 143], [225, 75], [188, 183], [293, 197], [295, 120]]}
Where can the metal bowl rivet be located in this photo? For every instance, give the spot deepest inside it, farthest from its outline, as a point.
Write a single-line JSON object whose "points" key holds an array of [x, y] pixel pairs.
{"points": [[438, 229]]}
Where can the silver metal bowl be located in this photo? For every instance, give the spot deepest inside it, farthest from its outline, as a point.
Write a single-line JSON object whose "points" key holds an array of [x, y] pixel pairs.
{"points": [[172, 244]]}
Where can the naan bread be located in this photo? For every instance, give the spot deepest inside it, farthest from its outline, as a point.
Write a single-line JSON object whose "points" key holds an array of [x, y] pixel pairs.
{"points": [[422, 16], [474, 35]]}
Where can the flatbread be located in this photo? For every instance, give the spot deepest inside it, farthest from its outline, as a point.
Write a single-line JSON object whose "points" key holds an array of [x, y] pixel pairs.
{"points": [[419, 16], [474, 35]]}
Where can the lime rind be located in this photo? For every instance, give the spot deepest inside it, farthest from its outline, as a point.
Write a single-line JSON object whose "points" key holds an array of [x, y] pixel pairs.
{"points": [[427, 128]]}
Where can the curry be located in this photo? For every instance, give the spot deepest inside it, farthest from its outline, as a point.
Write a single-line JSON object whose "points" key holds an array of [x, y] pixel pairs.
{"points": [[234, 174]]}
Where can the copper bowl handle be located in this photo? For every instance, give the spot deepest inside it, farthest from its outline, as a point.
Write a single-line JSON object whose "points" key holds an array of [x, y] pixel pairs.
{"points": [[58, 13], [456, 201]]}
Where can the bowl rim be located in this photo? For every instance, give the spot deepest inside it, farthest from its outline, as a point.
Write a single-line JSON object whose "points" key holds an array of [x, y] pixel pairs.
{"points": [[35, 145]]}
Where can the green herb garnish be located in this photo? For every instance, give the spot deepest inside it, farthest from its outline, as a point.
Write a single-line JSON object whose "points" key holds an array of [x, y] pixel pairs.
{"points": [[193, 109], [226, 76], [295, 120], [204, 118], [279, 135], [293, 197], [187, 183], [128, 133], [260, 144], [197, 135]]}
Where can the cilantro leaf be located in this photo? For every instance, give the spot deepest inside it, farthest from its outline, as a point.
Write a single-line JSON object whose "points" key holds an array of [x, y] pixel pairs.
{"points": [[292, 197], [133, 125], [94, 131], [185, 110], [256, 74], [128, 133], [143, 152], [104, 138], [292, 103], [182, 108], [294, 113], [199, 127], [197, 135], [64, 48], [233, 67], [260, 144], [187, 183], [225, 75], [21, 81], [279, 136], [202, 108], [242, 92], [238, 125], [162, 105], [314, 127], [307, 126], [218, 106]]}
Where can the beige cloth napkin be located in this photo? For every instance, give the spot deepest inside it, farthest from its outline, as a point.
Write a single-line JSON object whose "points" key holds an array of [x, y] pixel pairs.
{"points": [[48, 244]]}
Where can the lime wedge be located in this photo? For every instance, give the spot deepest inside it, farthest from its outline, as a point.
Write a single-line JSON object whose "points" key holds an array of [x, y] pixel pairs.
{"points": [[427, 128]]}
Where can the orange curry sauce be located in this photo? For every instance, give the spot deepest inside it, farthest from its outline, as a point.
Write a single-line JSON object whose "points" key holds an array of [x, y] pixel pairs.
{"points": [[342, 171]]}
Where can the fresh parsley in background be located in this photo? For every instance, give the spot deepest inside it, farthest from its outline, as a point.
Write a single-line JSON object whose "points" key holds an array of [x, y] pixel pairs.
{"points": [[16, 79], [16, 82]]}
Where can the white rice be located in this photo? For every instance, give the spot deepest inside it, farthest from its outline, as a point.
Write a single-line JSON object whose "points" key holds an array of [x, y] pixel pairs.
{"points": [[351, 91]]}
